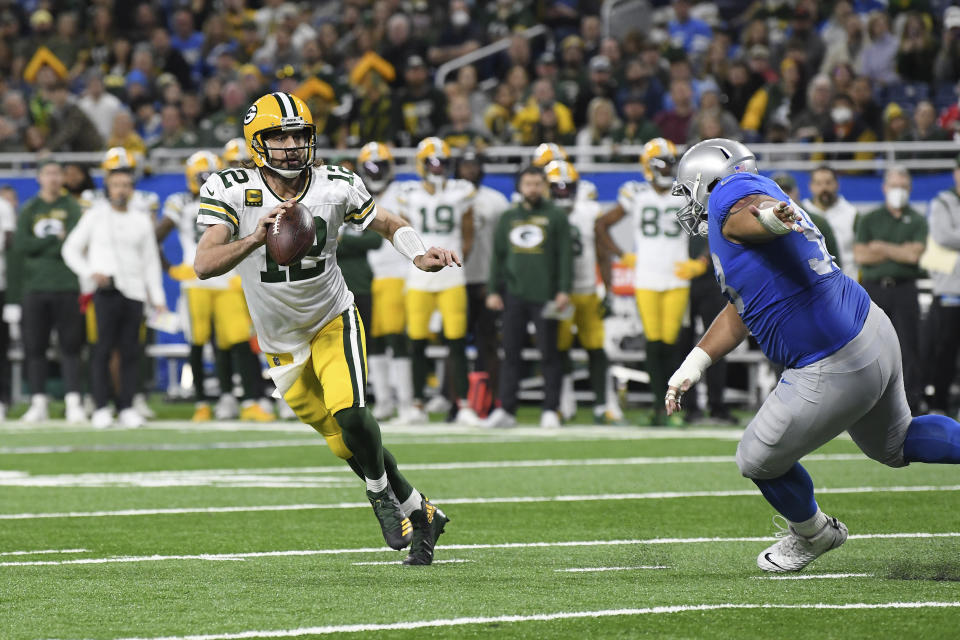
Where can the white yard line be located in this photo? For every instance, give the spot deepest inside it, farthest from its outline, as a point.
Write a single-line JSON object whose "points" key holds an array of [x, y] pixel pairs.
{"points": [[310, 477], [449, 547], [656, 495], [42, 551], [816, 576], [597, 569], [544, 617], [398, 562]]}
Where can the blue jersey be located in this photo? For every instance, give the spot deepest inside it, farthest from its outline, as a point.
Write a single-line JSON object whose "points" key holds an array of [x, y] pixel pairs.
{"points": [[789, 292]]}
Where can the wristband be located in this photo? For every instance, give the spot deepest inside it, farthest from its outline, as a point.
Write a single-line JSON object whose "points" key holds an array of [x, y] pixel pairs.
{"points": [[408, 242], [692, 369]]}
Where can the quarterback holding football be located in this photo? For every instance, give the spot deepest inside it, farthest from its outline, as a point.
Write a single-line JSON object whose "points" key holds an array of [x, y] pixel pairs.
{"points": [[303, 312]]}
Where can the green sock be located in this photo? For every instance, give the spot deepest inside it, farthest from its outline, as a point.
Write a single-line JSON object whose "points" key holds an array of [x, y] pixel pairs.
{"points": [[598, 377], [401, 488], [458, 366], [658, 382], [419, 364], [196, 365], [248, 365], [361, 434], [400, 345], [223, 364]]}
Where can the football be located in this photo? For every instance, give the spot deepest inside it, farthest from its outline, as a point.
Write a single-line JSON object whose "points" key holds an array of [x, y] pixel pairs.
{"points": [[291, 235]]}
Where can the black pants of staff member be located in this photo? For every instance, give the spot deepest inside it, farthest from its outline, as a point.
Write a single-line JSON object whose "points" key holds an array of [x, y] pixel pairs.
{"points": [[706, 302], [517, 313], [44, 311], [898, 299], [118, 327], [944, 334], [482, 324]]}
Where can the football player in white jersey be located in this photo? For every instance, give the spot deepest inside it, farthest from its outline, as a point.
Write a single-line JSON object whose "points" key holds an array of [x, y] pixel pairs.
{"points": [[588, 309], [303, 313], [659, 245], [388, 348], [215, 304], [440, 208], [488, 205]]}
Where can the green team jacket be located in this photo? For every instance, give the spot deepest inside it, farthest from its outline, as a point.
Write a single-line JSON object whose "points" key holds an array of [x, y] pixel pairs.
{"points": [[532, 253], [36, 263], [352, 259]]}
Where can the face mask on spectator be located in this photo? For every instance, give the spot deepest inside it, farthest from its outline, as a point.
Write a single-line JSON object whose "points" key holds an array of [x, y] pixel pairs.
{"points": [[460, 18], [897, 197], [841, 115]]}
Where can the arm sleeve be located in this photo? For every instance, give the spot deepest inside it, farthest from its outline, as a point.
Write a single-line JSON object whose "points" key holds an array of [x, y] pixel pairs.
{"points": [[215, 206], [943, 229], [564, 253], [361, 209], [75, 246]]}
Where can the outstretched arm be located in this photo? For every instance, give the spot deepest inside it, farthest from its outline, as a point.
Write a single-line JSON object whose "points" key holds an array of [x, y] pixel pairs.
{"points": [[760, 218], [408, 242]]}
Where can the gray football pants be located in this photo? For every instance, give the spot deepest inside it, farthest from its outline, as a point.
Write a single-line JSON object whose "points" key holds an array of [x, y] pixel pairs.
{"points": [[858, 389]]}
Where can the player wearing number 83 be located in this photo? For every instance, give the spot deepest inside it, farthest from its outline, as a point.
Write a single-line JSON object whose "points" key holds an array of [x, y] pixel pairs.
{"points": [[303, 313], [841, 356]]}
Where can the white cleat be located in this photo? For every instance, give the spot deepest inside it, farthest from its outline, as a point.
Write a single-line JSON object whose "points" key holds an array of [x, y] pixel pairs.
{"points": [[131, 418], [437, 404], [383, 411], [102, 418], [568, 401], [38, 410], [284, 412], [140, 406], [227, 407], [793, 552], [499, 419], [549, 420], [467, 417], [410, 415], [75, 411]]}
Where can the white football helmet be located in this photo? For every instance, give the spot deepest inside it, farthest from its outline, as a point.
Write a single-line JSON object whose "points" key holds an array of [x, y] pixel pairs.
{"points": [[700, 169]]}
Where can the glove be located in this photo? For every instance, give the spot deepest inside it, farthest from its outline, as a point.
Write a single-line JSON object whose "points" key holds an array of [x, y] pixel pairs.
{"points": [[606, 306], [689, 269], [182, 272], [628, 260]]}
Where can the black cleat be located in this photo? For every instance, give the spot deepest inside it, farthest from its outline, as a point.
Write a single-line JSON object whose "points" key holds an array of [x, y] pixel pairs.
{"points": [[397, 530], [428, 524]]}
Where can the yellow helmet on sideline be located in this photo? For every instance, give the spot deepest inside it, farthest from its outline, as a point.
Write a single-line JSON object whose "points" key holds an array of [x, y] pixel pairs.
{"points": [[547, 152], [199, 167], [235, 152], [433, 159], [659, 162], [375, 166], [562, 180]]}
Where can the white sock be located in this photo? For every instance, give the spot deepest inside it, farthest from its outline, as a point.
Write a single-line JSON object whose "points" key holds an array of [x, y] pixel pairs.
{"points": [[411, 504], [810, 527], [401, 372], [377, 485]]}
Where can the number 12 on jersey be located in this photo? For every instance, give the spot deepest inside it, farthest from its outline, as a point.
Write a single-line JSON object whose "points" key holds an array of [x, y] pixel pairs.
{"points": [[297, 272]]}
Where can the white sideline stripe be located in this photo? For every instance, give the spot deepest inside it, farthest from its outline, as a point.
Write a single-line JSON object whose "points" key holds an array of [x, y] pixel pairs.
{"points": [[591, 569], [446, 547], [816, 576], [657, 495], [545, 617], [299, 477], [398, 562], [42, 551]]}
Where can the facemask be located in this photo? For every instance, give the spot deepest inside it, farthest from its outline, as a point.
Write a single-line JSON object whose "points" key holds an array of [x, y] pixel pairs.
{"points": [[460, 18], [897, 197], [841, 115]]}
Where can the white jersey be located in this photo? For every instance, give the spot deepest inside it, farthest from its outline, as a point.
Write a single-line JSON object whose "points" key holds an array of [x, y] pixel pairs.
{"points": [[582, 220], [8, 224], [438, 217], [289, 305], [182, 209], [385, 261], [659, 241], [488, 205], [140, 200]]}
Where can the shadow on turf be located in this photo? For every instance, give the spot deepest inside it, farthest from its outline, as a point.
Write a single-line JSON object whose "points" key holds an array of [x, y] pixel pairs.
{"points": [[936, 571]]}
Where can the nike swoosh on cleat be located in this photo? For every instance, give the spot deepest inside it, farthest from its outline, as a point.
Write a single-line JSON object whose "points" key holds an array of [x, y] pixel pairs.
{"points": [[766, 557]]}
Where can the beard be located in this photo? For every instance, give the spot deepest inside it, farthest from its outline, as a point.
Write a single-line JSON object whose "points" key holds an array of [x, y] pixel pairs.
{"points": [[533, 201], [827, 199]]}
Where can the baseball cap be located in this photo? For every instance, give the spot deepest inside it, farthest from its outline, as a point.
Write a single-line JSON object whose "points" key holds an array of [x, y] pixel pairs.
{"points": [[759, 51], [600, 63], [951, 17], [415, 61], [547, 57]]}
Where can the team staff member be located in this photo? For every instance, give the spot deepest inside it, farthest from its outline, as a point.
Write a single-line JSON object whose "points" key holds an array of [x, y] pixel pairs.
{"points": [[532, 264], [888, 245], [115, 247], [50, 292]]}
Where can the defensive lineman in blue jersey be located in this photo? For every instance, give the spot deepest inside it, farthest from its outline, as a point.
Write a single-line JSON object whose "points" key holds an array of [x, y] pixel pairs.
{"points": [[841, 355]]}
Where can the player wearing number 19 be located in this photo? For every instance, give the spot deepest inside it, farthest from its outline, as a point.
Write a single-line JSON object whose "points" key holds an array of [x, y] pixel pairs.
{"points": [[303, 313], [659, 246]]}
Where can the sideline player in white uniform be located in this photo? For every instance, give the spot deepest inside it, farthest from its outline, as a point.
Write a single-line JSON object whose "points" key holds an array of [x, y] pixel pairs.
{"points": [[659, 245], [215, 304], [440, 208], [388, 346], [588, 311], [304, 314]]}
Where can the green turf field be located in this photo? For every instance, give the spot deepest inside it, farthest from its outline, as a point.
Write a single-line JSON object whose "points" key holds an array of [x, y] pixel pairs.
{"points": [[230, 531]]}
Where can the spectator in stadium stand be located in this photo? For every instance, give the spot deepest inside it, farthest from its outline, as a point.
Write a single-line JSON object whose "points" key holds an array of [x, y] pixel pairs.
{"points": [[816, 116], [738, 86], [868, 110], [949, 119], [572, 74], [825, 200], [531, 266], [49, 292], [223, 125], [803, 36], [758, 59], [635, 129], [460, 132], [460, 35], [711, 119], [543, 119], [126, 275], [70, 128], [845, 126], [925, 127], [779, 99], [917, 48], [148, 122], [546, 68], [99, 106], [687, 32], [591, 32], [896, 126], [17, 114], [502, 17], [168, 59], [173, 134], [499, 115], [376, 113], [716, 60], [946, 66], [888, 244], [640, 80], [479, 101], [248, 42], [611, 50], [944, 269], [422, 106], [277, 51], [600, 84], [399, 45], [848, 48], [878, 61], [602, 125], [517, 54], [675, 123], [185, 38], [519, 80]]}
